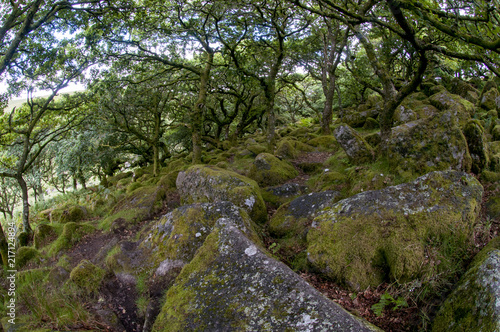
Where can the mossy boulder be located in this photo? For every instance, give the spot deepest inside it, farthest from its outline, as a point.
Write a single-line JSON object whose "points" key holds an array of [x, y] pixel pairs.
{"points": [[210, 184], [44, 234], [141, 203], [167, 181], [294, 218], [386, 235], [489, 99], [179, 234], [278, 195], [113, 180], [232, 284], [71, 234], [87, 276], [461, 109], [478, 145], [324, 143], [73, 214], [430, 144], [493, 207], [354, 145], [494, 149], [330, 180], [463, 89], [495, 133], [26, 254], [291, 148], [474, 305], [268, 170]]}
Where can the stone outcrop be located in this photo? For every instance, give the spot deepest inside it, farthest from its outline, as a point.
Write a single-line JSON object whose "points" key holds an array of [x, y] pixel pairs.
{"points": [[430, 144], [234, 285], [268, 170], [383, 235], [478, 145], [356, 148], [474, 305], [461, 109], [293, 217], [210, 184]]}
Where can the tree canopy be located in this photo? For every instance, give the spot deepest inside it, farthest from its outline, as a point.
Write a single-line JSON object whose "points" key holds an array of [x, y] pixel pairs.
{"points": [[165, 77]]}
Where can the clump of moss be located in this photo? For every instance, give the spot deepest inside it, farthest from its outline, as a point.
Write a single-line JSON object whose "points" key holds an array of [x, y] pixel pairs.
{"points": [[133, 186], [44, 234], [290, 148], [478, 145], [87, 276], [71, 234], [25, 255], [324, 143], [73, 214], [268, 170]]}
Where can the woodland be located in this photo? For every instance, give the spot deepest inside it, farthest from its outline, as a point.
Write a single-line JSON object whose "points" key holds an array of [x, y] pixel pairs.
{"points": [[171, 81]]}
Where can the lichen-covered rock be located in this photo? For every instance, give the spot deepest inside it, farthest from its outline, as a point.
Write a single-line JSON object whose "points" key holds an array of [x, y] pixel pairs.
{"points": [[87, 276], [411, 111], [354, 145], [357, 118], [179, 234], [323, 143], [460, 108], [385, 235], [430, 144], [478, 145], [232, 285], [474, 305], [141, 203], [294, 217], [488, 99], [210, 184], [276, 196], [268, 170], [495, 133], [494, 149], [464, 90], [290, 148], [287, 190]]}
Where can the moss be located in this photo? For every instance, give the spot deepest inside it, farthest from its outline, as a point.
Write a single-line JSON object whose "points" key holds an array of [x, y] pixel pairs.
{"points": [[71, 234], [430, 144], [87, 276], [495, 133], [45, 234], [473, 305], [113, 180], [478, 145], [168, 181], [73, 214], [324, 143], [133, 186], [178, 297], [201, 184], [371, 123], [384, 236], [489, 176], [25, 255], [493, 207], [22, 239], [290, 148], [329, 180], [355, 146], [268, 170]]}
